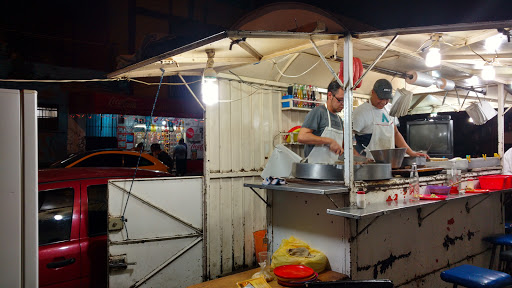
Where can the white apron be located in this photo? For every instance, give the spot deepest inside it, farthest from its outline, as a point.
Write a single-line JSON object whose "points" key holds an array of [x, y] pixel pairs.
{"points": [[321, 153], [383, 136]]}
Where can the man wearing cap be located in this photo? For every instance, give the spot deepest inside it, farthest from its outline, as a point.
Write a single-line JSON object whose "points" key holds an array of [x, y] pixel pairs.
{"points": [[374, 128]]}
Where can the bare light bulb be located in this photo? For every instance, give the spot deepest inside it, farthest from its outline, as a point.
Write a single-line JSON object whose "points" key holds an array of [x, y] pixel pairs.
{"points": [[488, 72], [433, 57], [493, 43], [473, 81], [210, 87]]}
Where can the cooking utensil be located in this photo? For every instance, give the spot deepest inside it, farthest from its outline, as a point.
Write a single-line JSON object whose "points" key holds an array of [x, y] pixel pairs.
{"points": [[419, 160], [357, 159], [369, 171], [393, 156]]}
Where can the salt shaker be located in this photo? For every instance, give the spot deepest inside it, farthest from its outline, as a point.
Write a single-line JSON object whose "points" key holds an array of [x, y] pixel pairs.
{"points": [[360, 199]]}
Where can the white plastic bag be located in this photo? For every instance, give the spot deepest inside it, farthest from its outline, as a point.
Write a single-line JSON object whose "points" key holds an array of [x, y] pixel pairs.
{"points": [[481, 112], [280, 163]]}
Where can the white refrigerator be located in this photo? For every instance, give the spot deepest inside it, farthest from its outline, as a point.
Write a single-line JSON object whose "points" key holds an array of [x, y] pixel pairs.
{"points": [[18, 196]]}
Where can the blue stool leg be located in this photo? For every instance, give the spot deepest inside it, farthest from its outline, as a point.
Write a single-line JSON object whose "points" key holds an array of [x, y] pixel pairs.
{"points": [[493, 252]]}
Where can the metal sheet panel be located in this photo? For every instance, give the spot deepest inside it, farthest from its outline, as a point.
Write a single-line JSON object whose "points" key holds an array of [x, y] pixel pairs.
{"points": [[241, 128], [162, 234], [449, 236], [321, 231], [11, 198], [234, 213]]}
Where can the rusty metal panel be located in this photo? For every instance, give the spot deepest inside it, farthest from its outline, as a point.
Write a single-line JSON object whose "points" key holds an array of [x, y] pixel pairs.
{"points": [[241, 128], [234, 213], [236, 125], [213, 222], [240, 132], [448, 236]]}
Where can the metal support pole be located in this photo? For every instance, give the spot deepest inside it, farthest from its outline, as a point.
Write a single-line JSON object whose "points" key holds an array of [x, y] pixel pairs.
{"points": [[501, 119], [375, 61], [192, 92], [268, 205], [326, 63], [348, 99]]}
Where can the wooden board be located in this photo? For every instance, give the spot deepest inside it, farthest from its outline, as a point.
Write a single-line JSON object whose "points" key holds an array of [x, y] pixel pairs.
{"points": [[230, 281], [427, 171]]}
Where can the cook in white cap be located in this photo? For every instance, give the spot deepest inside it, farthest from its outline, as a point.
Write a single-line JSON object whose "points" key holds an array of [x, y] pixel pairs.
{"points": [[374, 128]]}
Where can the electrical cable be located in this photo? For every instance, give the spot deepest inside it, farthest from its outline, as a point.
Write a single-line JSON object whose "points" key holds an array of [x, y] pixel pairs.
{"points": [[140, 152], [295, 76], [96, 80]]}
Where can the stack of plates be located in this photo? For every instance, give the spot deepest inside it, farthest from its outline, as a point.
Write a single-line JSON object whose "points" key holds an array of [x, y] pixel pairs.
{"points": [[294, 275]]}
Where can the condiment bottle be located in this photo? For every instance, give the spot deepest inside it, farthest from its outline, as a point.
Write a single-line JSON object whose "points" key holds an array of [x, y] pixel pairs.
{"points": [[360, 199], [414, 183]]}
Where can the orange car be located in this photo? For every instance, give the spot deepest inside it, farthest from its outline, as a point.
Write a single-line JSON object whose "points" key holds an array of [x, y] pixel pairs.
{"points": [[112, 158]]}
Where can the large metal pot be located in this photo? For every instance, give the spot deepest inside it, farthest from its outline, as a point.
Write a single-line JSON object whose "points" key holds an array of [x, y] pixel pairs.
{"points": [[392, 156], [371, 171]]}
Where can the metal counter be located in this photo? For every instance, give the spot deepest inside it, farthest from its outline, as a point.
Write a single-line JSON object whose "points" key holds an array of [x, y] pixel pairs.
{"points": [[302, 188], [378, 209]]}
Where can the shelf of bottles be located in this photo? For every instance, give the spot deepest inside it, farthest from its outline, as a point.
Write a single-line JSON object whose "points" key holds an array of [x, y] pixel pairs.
{"points": [[302, 97]]}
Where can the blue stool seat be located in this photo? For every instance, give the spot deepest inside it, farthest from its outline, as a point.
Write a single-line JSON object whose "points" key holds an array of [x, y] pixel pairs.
{"points": [[504, 239], [475, 277], [499, 240]]}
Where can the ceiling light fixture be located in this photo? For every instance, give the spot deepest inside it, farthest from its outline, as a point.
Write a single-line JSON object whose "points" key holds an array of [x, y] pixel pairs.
{"points": [[494, 42], [433, 57], [473, 81], [488, 72], [209, 85]]}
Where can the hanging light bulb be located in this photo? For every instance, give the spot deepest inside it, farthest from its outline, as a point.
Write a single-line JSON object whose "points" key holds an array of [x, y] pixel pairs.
{"points": [[209, 84], [493, 43], [433, 57], [488, 72], [473, 81]]}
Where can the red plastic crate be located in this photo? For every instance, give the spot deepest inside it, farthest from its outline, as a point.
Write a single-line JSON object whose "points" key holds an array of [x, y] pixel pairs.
{"points": [[495, 182]]}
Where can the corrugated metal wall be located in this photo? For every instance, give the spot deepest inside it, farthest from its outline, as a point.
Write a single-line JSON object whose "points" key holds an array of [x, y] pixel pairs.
{"points": [[239, 136]]}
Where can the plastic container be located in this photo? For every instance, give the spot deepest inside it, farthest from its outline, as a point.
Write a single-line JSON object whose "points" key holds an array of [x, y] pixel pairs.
{"points": [[495, 182], [286, 104], [259, 244], [360, 200], [438, 189]]}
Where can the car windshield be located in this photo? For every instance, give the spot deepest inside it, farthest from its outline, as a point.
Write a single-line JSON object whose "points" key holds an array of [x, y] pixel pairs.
{"points": [[72, 158]]}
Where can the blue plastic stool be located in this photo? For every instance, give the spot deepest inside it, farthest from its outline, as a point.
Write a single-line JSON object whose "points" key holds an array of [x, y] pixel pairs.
{"points": [[508, 227], [505, 261], [503, 241], [475, 277]]}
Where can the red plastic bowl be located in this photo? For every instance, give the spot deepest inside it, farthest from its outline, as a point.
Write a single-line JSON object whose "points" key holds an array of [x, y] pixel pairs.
{"points": [[495, 182]]}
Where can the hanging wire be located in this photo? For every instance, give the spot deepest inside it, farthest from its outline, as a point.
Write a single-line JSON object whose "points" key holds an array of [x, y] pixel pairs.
{"points": [[140, 152], [294, 76], [485, 60], [96, 80]]}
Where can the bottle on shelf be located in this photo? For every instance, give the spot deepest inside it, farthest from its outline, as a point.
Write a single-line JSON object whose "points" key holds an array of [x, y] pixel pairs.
{"points": [[300, 96], [414, 183], [295, 102]]}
